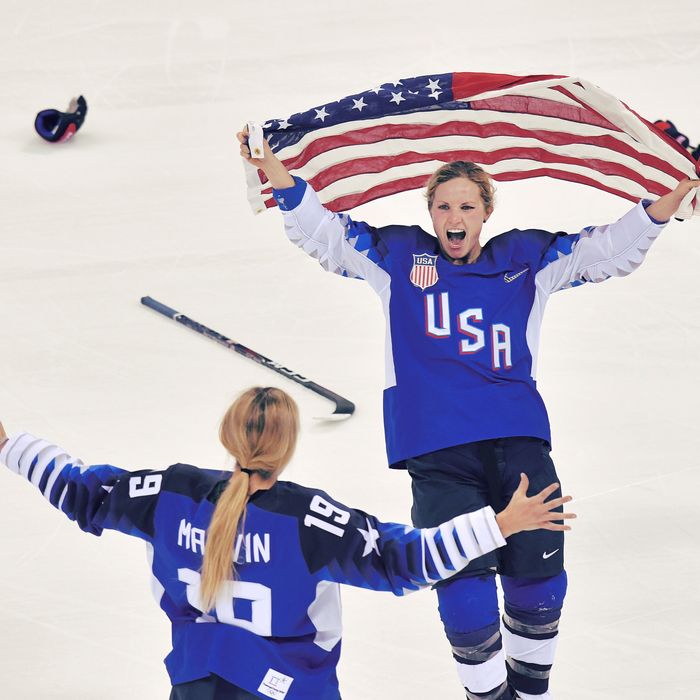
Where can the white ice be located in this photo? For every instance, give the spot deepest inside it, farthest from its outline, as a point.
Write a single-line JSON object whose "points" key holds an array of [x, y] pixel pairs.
{"points": [[149, 199]]}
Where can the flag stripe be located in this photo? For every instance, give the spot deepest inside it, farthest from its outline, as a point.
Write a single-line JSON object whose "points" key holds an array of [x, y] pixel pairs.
{"points": [[657, 183], [520, 127], [684, 152], [628, 119], [390, 187], [537, 106], [351, 201], [358, 183], [466, 84], [584, 107]]}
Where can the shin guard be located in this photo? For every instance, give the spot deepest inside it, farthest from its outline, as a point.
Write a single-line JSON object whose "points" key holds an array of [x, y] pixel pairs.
{"points": [[469, 612], [531, 624]]}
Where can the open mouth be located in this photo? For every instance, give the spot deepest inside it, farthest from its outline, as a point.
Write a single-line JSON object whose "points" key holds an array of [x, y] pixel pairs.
{"points": [[454, 235]]}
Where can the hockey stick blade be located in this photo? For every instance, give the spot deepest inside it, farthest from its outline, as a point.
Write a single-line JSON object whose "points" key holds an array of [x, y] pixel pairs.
{"points": [[343, 407]]}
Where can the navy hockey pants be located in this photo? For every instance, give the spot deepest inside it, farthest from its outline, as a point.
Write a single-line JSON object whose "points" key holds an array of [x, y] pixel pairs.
{"points": [[210, 688], [465, 478]]}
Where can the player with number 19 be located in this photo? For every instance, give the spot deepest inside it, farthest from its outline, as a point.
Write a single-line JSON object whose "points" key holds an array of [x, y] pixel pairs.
{"points": [[246, 566]]}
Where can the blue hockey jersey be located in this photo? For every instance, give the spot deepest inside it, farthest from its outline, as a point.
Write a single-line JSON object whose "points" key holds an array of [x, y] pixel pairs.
{"points": [[462, 340], [275, 630]]}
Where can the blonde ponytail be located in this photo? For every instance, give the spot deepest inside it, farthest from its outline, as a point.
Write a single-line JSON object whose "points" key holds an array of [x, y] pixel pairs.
{"points": [[260, 431]]}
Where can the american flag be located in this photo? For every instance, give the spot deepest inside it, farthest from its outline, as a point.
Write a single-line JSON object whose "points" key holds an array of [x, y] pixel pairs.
{"points": [[391, 138]]}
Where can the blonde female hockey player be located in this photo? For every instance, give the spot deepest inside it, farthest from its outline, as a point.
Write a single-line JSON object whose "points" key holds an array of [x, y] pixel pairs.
{"points": [[249, 565]]}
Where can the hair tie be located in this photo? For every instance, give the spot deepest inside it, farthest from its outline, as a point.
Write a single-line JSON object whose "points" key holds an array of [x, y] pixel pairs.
{"points": [[264, 474]]}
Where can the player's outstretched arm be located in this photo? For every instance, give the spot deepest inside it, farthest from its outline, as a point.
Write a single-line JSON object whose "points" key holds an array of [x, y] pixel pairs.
{"points": [[599, 253], [316, 230], [96, 498], [270, 164], [665, 207], [350, 546], [533, 513]]}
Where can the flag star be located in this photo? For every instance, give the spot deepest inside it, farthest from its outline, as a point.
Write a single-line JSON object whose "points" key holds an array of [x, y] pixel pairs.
{"points": [[321, 113], [396, 97], [433, 85], [284, 124], [359, 104], [411, 92], [398, 82], [375, 90], [269, 125], [435, 94], [371, 536]]}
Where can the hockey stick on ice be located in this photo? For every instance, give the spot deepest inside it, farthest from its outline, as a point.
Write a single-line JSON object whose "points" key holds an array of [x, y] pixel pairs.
{"points": [[343, 407]]}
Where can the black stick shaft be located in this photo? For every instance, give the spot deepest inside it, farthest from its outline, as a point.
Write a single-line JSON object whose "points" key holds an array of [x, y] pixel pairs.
{"points": [[342, 405]]}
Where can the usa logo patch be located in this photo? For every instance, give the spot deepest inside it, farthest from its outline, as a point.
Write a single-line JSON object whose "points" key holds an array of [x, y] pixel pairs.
{"points": [[424, 271]]}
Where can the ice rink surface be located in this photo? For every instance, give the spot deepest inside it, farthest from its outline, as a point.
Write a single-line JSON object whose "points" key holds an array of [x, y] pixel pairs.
{"points": [[149, 198]]}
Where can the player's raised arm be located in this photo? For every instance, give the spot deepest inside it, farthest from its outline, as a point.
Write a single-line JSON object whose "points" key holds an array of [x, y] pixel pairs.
{"points": [[613, 250], [345, 247], [96, 497]]}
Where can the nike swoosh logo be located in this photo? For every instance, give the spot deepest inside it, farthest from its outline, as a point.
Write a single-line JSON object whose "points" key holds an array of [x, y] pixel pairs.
{"points": [[546, 555], [510, 278]]}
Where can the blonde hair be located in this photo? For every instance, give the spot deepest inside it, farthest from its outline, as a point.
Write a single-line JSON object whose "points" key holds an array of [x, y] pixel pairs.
{"points": [[260, 431], [462, 168]]}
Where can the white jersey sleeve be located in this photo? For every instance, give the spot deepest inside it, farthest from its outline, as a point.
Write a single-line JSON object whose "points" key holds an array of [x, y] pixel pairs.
{"points": [[96, 497], [342, 246], [598, 252]]}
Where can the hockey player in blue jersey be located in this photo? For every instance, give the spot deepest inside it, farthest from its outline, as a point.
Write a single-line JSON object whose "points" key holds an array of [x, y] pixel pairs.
{"points": [[246, 566], [461, 408]]}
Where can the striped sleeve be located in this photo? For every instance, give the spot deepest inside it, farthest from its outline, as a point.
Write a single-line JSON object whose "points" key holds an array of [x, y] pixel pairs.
{"points": [[598, 252], [341, 245], [96, 497], [352, 547]]}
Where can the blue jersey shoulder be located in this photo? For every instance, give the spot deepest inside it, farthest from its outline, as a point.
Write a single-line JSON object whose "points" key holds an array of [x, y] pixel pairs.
{"points": [[398, 237], [195, 482], [287, 498], [532, 247], [527, 246], [327, 529]]}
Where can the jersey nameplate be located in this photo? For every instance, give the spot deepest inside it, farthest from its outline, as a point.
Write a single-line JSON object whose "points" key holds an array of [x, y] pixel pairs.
{"points": [[191, 538], [249, 547]]}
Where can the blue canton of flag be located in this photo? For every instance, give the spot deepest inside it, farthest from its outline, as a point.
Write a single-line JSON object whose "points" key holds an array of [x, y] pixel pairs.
{"points": [[404, 96]]}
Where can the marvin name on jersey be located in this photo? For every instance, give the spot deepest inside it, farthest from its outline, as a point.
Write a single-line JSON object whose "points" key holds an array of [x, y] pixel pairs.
{"points": [[249, 547]]}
